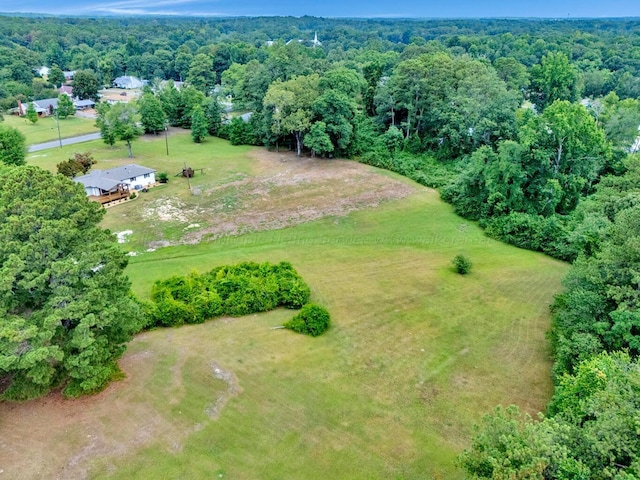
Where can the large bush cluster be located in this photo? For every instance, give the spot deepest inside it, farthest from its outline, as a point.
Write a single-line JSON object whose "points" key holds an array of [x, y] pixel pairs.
{"points": [[234, 290]]}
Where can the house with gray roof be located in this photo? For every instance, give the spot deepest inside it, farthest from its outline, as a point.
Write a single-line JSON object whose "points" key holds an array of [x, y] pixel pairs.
{"points": [[84, 104], [128, 82], [108, 185], [42, 107], [48, 106]]}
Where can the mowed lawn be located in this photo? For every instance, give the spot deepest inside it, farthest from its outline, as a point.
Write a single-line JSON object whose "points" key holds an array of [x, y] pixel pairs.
{"points": [[417, 353], [46, 129], [415, 356]]}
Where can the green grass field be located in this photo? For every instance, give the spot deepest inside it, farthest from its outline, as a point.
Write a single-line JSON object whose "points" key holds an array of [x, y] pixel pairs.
{"points": [[45, 129], [415, 356]]}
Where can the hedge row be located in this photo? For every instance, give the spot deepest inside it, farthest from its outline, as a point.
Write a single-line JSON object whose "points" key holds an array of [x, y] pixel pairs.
{"points": [[233, 290]]}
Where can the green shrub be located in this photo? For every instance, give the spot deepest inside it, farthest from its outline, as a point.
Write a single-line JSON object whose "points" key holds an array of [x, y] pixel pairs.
{"points": [[462, 264], [312, 320], [208, 305], [163, 177], [233, 290], [293, 293], [533, 232], [171, 313]]}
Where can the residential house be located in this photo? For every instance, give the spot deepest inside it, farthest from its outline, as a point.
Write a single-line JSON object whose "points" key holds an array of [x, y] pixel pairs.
{"points": [[69, 74], [84, 104], [48, 106], [128, 82], [43, 107], [66, 90], [105, 186]]}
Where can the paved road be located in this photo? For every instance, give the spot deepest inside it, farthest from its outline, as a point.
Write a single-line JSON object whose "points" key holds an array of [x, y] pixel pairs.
{"points": [[65, 141]]}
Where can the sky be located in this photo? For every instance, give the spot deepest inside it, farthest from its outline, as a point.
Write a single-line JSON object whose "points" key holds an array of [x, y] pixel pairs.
{"points": [[334, 8]]}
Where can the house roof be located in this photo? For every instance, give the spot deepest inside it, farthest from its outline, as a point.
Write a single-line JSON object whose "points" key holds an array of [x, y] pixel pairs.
{"points": [[128, 82], [39, 108], [109, 179], [66, 89], [44, 103], [84, 103]]}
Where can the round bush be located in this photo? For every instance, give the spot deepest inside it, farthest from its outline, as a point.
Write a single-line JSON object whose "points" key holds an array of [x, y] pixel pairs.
{"points": [[462, 264], [312, 320]]}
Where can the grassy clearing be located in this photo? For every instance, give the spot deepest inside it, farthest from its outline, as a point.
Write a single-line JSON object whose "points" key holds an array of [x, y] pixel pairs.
{"points": [[45, 129], [222, 164], [416, 355], [240, 190]]}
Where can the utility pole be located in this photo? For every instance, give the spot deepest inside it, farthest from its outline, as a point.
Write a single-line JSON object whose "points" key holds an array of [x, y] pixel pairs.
{"points": [[58, 125], [166, 137]]}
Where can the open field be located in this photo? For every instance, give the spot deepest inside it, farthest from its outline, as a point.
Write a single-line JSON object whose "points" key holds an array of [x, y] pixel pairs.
{"points": [[239, 190], [45, 129], [120, 94], [415, 356]]}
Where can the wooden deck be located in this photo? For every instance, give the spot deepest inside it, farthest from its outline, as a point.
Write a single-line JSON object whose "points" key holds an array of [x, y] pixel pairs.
{"points": [[111, 197]]}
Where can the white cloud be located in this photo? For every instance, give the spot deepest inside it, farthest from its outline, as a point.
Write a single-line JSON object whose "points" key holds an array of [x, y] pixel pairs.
{"points": [[142, 7]]}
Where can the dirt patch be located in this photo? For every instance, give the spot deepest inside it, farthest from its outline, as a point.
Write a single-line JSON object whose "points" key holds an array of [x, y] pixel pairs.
{"points": [[119, 94], [233, 389], [57, 438], [285, 191]]}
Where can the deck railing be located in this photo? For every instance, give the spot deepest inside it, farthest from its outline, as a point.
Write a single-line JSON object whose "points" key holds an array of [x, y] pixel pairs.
{"points": [[109, 197]]}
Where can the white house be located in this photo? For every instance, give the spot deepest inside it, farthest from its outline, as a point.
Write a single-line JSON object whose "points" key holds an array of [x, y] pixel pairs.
{"points": [[128, 82], [116, 182]]}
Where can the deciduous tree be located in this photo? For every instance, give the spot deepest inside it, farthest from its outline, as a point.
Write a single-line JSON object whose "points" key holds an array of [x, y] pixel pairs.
{"points": [[152, 115], [85, 85], [65, 106], [31, 113], [201, 75], [56, 76], [119, 122], [198, 124], [554, 78], [12, 146], [290, 106], [318, 139]]}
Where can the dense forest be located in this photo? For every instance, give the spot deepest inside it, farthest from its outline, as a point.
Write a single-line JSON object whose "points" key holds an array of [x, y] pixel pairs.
{"points": [[529, 127]]}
